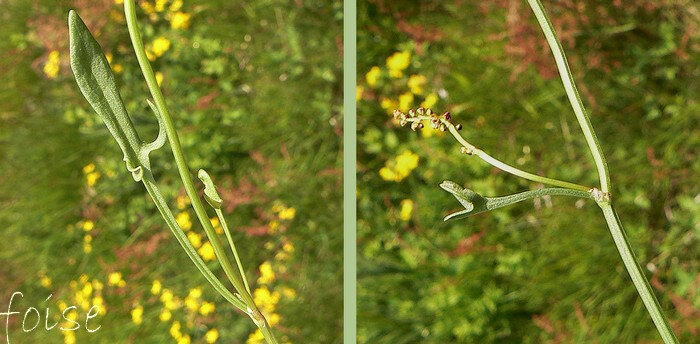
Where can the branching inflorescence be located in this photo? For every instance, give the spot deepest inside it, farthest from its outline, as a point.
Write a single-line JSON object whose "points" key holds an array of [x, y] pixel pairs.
{"points": [[96, 81], [474, 203]]}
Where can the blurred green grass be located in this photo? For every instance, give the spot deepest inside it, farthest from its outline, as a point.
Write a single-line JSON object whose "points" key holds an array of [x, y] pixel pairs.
{"points": [[543, 271], [255, 91]]}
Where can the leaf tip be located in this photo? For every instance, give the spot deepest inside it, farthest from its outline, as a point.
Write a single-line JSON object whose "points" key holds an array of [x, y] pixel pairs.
{"points": [[212, 197], [73, 19]]}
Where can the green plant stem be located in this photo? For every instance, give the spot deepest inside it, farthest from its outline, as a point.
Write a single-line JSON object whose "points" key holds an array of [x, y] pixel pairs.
{"points": [[497, 163], [614, 225], [165, 212], [174, 141], [636, 273], [183, 169], [572, 93], [224, 225]]}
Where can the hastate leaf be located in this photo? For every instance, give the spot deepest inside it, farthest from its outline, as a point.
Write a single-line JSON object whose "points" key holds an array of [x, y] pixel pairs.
{"points": [[474, 203]]}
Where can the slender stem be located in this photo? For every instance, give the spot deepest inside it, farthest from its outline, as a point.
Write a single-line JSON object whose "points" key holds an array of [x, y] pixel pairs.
{"points": [[222, 220], [165, 212], [174, 140], [614, 224], [497, 163], [572, 93], [636, 273], [183, 169]]}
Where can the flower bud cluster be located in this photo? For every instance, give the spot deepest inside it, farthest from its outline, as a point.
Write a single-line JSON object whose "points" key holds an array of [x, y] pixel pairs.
{"points": [[415, 117]]}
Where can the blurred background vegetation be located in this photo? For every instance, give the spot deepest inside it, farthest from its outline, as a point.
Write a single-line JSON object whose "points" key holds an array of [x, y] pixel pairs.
{"points": [[255, 91], [544, 271]]}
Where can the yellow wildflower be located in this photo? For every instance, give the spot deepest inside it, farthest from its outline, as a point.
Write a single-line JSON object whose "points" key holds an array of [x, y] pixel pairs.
{"points": [[266, 300], [288, 247], [52, 66], [88, 225], [388, 174], [372, 76], [97, 285], [406, 162], [159, 78], [165, 315], [68, 336], [195, 239], [195, 292], [180, 20], [92, 178], [168, 299], [217, 225], [166, 296], [176, 5], [287, 214], [359, 90], [160, 5], [191, 303], [405, 101], [192, 299], [45, 281], [397, 63], [147, 7], [87, 290], [429, 101], [255, 338], [99, 302], [273, 319], [88, 168], [119, 2], [399, 168], [289, 292], [182, 202], [160, 46], [273, 226], [184, 339], [183, 220], [207, 252], [87, 239], [115, 279], [87, 247], [72, 315], [388, 104], [406, 209], [266, 274], [206, 308], [150, 55], [137, 314], [211, 336], [175, 330], [415, 83], [281, 255], [155, 288]]}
